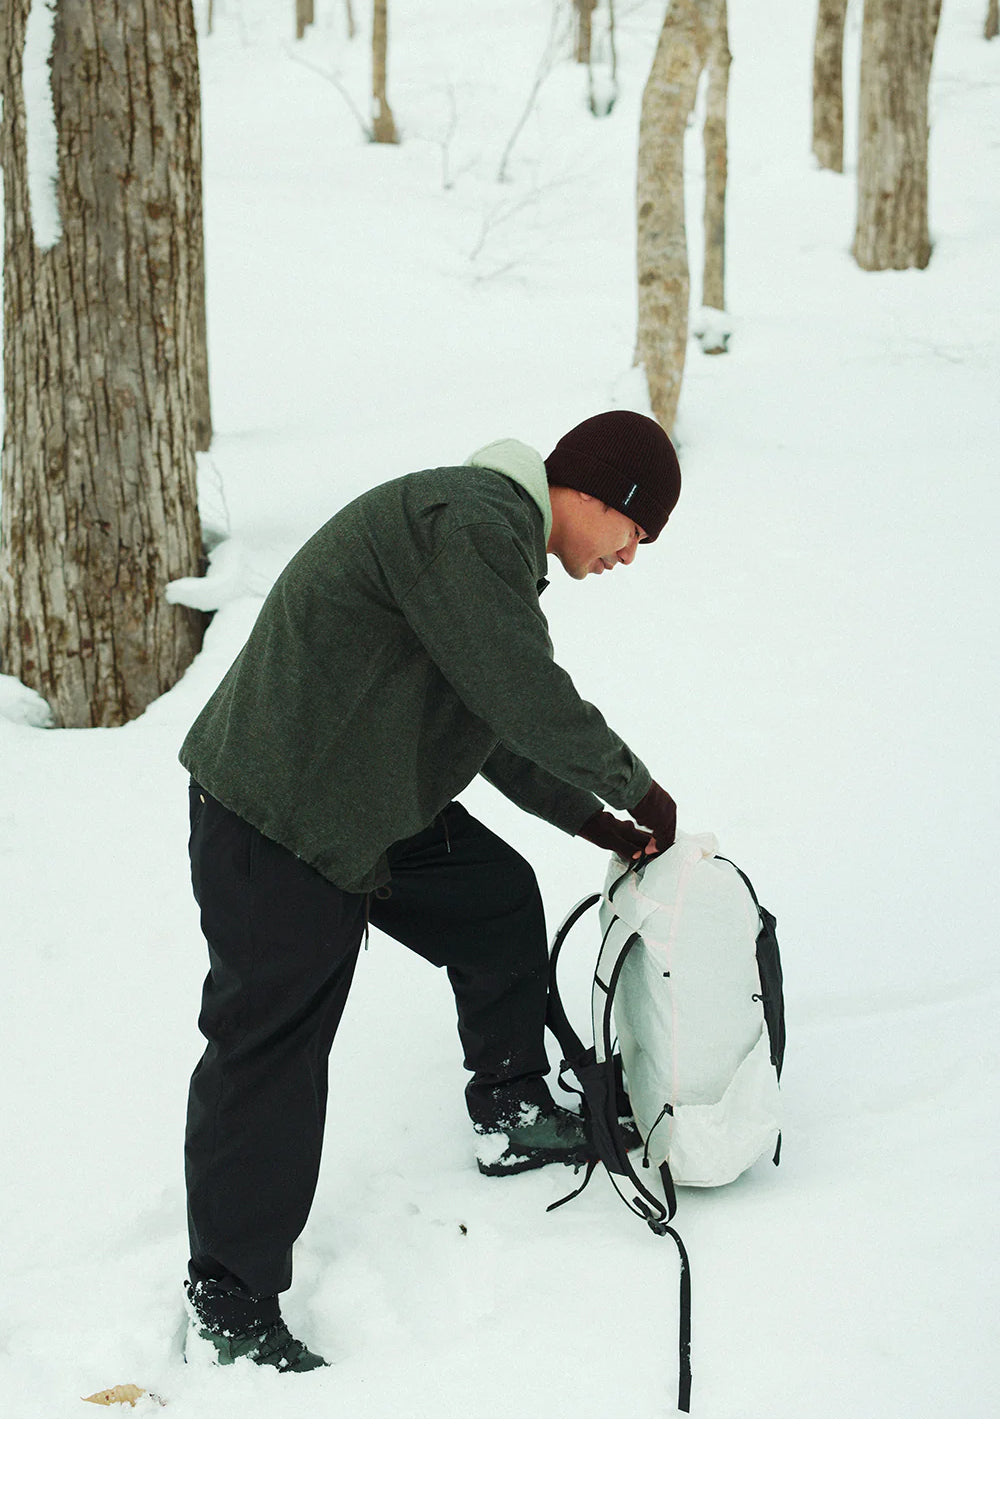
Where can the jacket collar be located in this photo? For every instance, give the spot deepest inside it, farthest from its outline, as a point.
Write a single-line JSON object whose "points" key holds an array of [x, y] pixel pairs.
{"points": [[524, 465]]}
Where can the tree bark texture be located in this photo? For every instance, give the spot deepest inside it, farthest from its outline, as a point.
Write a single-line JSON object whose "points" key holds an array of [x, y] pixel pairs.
{"points": [[99, 487], [383, 125], [662, 258], [897, 46], [828, 85], [992, 23], [716, 163]]}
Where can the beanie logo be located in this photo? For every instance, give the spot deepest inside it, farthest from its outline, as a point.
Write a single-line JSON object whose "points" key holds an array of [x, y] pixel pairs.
{"points": [[630, 495]]}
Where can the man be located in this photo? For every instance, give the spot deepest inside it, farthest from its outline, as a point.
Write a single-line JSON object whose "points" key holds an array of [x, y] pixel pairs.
{"points": [[400, 653]]}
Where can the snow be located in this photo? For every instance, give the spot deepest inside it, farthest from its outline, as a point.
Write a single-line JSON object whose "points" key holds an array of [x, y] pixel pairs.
{"points": [[806, 659], [43, 164], [228, 578]]}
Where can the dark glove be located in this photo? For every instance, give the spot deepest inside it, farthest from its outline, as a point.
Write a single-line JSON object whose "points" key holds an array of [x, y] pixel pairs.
{"points": [[614, 835], [658, 812]]}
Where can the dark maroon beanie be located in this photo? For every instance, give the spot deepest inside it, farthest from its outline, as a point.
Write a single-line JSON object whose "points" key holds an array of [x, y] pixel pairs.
{"points": [[626, 461]]}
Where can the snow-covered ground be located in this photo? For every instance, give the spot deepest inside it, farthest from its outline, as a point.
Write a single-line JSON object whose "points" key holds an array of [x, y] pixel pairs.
{"points": [[807, 660]]}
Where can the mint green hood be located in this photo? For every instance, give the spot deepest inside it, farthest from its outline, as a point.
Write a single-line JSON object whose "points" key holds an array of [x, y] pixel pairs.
{"points": [[520, 463]]}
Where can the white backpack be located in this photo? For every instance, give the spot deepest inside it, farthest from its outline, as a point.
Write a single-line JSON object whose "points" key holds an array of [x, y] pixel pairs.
{"points": [[690, 1012], [689, 1034]]}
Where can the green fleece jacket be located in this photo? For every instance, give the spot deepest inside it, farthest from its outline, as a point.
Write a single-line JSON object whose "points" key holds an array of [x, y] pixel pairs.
{"points": [[401, 652]]}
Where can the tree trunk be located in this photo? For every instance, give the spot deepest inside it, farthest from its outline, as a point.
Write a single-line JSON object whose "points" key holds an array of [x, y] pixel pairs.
{"points": [[662, 259], [716, 164], [304, 16], [383, 125], [828, 85], [99, 492], [584, 17], [602, 79], [351, 28], [897, 46], [992, 23]]}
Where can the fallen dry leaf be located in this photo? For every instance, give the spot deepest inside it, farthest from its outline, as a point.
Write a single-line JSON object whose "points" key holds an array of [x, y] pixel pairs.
{"points": [[121, 1394]]}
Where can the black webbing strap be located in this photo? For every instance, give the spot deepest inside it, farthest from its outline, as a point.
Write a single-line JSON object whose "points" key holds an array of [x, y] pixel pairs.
{"points": [[591, 1167], [684, 1323], [598, 1086], [569, 1041], [618, 942]]}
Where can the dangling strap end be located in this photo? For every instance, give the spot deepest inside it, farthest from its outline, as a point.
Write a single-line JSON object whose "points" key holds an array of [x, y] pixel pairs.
{"points": [[579, 1190]]}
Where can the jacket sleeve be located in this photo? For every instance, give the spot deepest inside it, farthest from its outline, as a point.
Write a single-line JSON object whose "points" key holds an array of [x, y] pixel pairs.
{"points": [[475, 609], [533, 789]]}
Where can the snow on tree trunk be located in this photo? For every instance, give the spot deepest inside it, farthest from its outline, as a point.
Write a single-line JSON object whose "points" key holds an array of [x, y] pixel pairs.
{"points": [[828, 85], [383, 125], [716, 164], [661, 252], [99, 492], [897, 46]]}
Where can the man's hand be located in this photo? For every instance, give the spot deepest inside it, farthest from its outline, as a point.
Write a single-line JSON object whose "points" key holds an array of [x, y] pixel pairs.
{"points": [[658, 812], [615, 835]]}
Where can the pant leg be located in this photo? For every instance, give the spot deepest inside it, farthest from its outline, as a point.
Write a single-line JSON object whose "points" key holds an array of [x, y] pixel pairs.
{"points": [[283, 943], [465, 900]]}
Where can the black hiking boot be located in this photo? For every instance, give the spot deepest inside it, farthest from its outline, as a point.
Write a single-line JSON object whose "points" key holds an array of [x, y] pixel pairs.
{"points": [[526, 1131], [219, 1334]]}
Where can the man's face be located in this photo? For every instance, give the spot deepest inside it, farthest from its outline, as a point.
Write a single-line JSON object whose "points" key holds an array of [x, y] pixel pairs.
{"points": [[596, 538]]}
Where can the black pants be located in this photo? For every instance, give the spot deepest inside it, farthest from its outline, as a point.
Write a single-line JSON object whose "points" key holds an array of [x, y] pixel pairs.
{"points": [[283, 943]]}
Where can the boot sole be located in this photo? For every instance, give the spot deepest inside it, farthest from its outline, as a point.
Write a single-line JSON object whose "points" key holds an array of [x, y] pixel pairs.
{"points": [[534, 1159]]}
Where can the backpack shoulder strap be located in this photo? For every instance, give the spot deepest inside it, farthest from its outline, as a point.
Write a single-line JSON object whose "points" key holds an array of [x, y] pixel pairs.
{"points": [[555, 1018], [619, 940], [594, 1068]]}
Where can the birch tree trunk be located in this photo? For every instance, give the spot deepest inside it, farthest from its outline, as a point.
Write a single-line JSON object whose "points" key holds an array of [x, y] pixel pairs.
{"points": [[897, 47], [662, 258], [304, 17], [828, 85], [99, 494], [716, 163], [584, 19], [383, 125], [602, 74]]}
